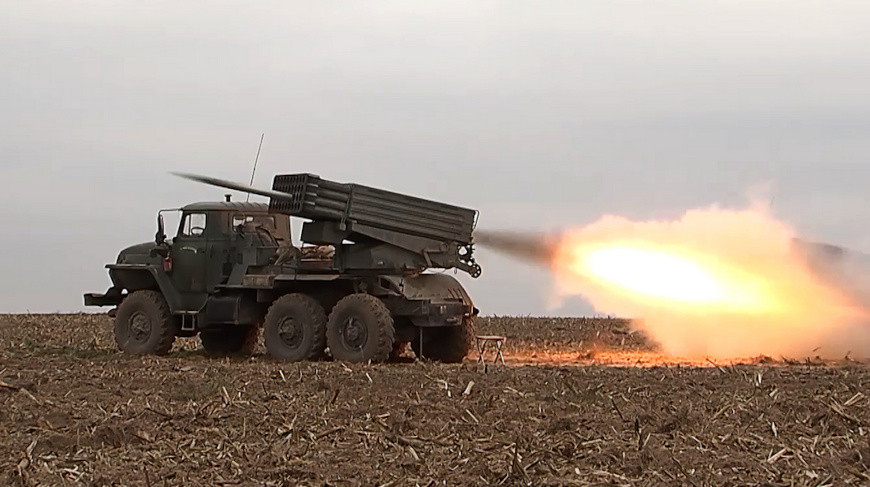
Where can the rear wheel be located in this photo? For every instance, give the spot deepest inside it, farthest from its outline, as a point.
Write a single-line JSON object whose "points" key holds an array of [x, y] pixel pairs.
{"points": [[295, 328], [360, 329], [230, 340], [446, 344], [144, 324]]}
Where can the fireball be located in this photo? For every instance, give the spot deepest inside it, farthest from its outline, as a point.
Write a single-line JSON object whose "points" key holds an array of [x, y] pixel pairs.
{"points": [[719, 283], [660, 275]]}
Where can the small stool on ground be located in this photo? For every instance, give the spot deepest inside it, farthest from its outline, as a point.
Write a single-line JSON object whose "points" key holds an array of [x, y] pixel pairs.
{"points": [[483, 341]]}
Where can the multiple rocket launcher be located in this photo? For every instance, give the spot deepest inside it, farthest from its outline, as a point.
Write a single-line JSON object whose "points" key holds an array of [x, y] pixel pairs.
{"points": [[439, 234]]}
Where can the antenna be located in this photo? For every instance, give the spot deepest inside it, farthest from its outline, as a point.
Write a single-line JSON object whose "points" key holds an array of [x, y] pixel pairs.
{"points": [[254, 171]]}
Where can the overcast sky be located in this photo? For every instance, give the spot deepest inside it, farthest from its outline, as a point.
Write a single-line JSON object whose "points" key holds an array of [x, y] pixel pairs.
{"points": [[542, 115]]}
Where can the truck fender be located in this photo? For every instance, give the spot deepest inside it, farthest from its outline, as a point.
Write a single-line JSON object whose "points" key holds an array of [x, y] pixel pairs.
{"points": [[134, 277], [433, 287]]}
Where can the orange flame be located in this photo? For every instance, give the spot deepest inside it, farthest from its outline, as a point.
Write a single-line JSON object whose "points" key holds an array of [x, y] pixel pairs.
{"points": [[717, 283]]}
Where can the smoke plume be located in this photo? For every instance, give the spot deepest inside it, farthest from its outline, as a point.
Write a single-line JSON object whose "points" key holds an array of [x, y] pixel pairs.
{"points": [[534, 248]]}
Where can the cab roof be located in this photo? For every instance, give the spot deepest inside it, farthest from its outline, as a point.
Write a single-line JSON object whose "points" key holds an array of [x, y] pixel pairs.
{"points": [[227, 206]]}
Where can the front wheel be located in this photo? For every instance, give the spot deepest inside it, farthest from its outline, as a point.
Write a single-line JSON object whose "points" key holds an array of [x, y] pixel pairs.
{"points": [[144, 324], [295, 328], [360, 329]]}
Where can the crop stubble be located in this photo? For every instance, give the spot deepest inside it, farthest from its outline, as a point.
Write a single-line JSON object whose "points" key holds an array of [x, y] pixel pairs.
{"points": [[73, 409]]}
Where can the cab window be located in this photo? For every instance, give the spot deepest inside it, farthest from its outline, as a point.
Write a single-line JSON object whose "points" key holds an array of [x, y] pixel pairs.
{"points": [[193, 225], [242, 224], [260, 220]]}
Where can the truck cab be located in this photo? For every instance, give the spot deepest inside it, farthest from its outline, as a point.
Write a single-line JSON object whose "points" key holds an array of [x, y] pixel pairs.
{"points": [[215, 239], [212, 240]]}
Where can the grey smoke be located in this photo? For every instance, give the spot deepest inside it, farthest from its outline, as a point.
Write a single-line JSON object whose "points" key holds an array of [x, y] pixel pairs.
{"points": [[845, 269], [530, 247]]}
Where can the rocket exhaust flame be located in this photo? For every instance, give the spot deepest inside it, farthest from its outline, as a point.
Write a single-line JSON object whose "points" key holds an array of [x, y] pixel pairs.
{"points": [[714, 283]]}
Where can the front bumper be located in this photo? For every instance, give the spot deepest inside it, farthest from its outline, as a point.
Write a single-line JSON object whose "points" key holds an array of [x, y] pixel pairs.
{"points": [[112, 297]]}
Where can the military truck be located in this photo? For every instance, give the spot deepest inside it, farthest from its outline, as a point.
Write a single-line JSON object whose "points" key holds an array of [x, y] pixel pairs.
{"points": [[359, 284]]}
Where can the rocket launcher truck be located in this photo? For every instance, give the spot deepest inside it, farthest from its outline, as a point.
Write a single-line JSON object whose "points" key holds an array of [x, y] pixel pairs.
{"points": [[356, 285]]}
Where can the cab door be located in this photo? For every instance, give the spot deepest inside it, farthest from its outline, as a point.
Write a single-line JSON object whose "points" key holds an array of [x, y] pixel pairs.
{"points": [[190, 260]]}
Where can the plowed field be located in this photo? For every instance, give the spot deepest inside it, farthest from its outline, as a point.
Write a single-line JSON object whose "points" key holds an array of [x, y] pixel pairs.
{"points": [[74, 410]]}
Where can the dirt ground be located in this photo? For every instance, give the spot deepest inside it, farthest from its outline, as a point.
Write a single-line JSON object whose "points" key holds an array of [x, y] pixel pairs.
{"points": [[74, 410]]}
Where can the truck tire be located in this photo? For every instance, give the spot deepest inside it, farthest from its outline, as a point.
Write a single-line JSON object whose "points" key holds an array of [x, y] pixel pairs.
{"points": [[360, 329], [230, 340], [295, 328], [446, 344], [144, 324]]}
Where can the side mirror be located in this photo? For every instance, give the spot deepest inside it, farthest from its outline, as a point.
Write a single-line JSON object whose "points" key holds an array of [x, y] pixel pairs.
{"points": [[160, 237]]}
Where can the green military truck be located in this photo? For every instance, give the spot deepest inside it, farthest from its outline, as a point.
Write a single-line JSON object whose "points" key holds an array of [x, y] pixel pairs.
{"points": [[356, 285]]}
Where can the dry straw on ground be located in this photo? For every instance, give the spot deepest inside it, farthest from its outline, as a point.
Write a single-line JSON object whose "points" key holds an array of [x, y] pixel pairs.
{"points": [[73, 410]]}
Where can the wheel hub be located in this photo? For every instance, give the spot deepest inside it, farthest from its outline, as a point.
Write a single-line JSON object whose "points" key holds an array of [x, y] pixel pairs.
{"points": [[140, 326], [290, 331], [355, 333]]}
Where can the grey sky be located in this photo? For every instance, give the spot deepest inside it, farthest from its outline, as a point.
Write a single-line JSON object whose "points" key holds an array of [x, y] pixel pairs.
{"points": [[541, 115]]}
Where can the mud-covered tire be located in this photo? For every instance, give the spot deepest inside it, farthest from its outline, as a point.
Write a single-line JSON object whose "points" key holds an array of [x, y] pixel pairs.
{"points": [[446, 344], [231, 340], [360, 329], [295, 328], [144, 324]]}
